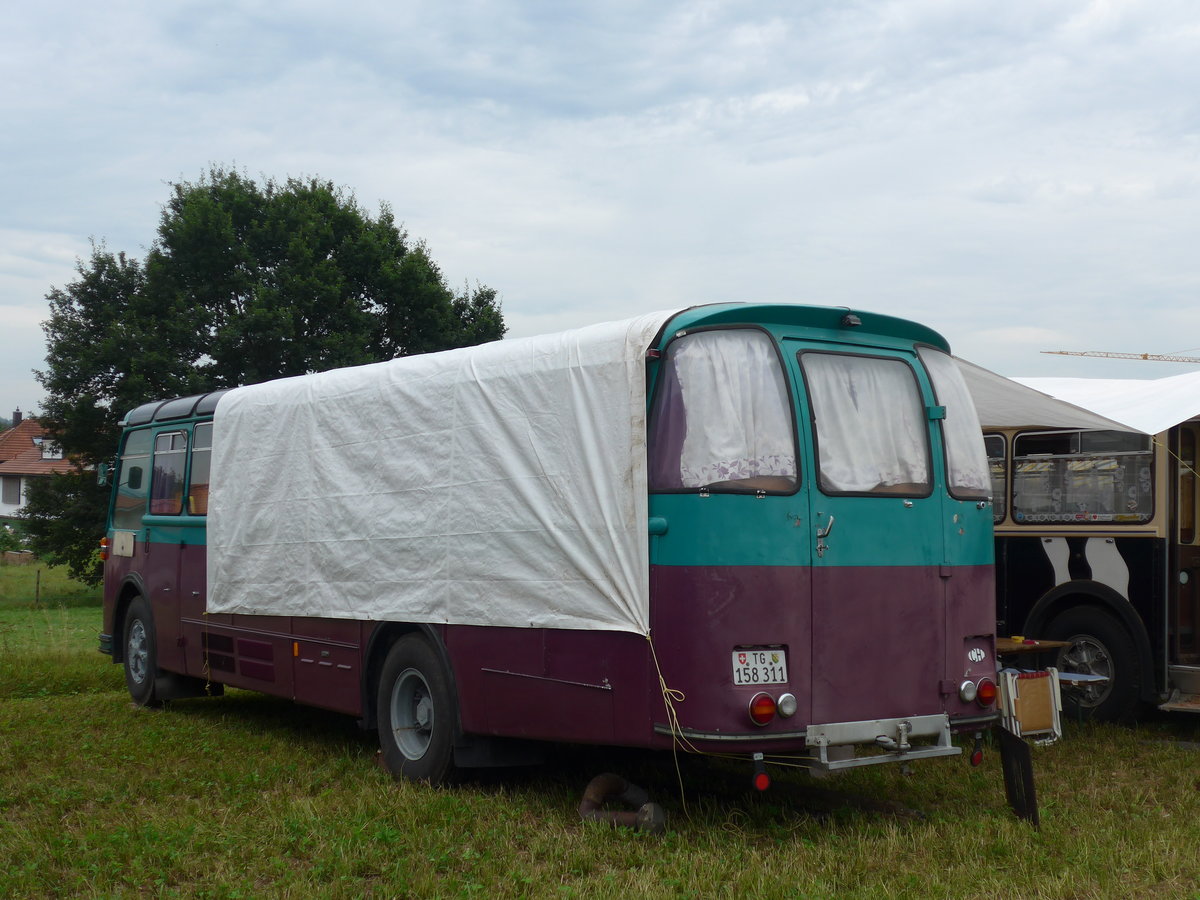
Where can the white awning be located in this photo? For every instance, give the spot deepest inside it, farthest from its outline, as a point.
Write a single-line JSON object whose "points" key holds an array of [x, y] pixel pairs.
{"points": [[1150, 405], [1021, 403]]}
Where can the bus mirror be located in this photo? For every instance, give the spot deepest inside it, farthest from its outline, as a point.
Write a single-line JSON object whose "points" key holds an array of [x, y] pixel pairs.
{"points": [[102, 474]]}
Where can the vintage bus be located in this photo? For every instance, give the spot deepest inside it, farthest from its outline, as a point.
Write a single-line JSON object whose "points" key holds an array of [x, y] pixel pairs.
{"points": [[761, 530], [1097, 542]]}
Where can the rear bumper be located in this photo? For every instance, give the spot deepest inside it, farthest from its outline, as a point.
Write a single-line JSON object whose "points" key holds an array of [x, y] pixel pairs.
{"points": [[833, 745]]}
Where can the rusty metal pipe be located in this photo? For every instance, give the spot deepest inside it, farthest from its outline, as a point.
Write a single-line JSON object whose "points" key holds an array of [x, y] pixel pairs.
{"points": [[603, 788]]}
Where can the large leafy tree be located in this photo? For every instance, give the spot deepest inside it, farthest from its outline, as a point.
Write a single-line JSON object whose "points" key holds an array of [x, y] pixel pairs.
{"points": [[246, 281]]}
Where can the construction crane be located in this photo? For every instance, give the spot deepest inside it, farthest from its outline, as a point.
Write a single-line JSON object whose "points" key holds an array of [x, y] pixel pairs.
{"points": [[1104, 354]]}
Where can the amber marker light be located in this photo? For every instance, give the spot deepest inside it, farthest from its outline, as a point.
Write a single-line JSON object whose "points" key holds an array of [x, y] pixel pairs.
{"points": [[987, 693], [762, 709]]}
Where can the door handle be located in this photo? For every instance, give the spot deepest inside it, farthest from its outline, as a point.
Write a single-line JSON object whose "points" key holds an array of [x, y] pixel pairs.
{"points": [[823, 533]]}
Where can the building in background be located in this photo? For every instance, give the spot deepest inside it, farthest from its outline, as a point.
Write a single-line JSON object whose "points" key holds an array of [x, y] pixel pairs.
{"points": [[26, 453]]}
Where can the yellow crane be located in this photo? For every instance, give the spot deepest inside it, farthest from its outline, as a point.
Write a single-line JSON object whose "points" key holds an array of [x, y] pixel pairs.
{"points": [[1104, 354]]}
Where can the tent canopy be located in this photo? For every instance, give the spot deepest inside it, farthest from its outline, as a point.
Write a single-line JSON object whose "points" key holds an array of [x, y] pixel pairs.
{"points": [[1149, 405], [1024, 403]]}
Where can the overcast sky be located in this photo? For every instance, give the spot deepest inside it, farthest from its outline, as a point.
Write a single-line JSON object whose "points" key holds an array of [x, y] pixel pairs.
{"points": [[1022, 176]]}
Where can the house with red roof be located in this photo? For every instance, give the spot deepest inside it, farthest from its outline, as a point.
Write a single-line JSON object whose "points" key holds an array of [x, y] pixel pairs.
{"points": [[26, 453]]}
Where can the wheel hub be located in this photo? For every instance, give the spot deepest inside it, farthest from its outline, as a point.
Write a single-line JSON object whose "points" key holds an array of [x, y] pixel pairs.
{"points": [[137, 652]]}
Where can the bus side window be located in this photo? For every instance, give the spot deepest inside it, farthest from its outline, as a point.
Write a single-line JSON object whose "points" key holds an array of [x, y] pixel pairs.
{"points": [[996, 463], [201, 457], [132, 483], [166, 489], [1187, 485], [1068, 477]]}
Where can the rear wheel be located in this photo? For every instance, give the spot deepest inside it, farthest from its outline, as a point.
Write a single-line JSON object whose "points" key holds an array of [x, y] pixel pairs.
{"points": [[1099, 645], [141, 654], [416, 712]]}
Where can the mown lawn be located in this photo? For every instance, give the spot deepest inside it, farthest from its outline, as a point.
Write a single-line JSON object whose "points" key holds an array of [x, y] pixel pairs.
{"points": [[248, 796]]}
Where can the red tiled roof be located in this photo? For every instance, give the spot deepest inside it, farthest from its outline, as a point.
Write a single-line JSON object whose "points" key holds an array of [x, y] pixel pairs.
{"points": [[19, 455]]}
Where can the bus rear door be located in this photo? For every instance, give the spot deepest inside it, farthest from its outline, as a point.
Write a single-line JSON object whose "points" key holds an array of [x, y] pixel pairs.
{"points": [[875, 526]]}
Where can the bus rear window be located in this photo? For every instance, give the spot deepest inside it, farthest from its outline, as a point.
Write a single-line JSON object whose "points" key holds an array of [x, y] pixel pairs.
{"points": [[722, 416], [1082, 476], [967, 474], [870, 425]]}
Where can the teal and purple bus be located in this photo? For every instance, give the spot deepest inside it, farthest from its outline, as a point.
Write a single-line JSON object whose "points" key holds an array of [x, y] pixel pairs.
{"points": [[761, 530]]}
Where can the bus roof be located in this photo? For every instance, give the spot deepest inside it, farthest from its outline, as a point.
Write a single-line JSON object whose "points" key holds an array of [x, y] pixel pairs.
{"points": [[837, 322], [171, 410]]}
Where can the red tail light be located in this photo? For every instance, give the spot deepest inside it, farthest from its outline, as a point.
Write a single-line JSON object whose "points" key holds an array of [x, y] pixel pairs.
{"points": [[762, 709], [987, 692], [103, 548]]}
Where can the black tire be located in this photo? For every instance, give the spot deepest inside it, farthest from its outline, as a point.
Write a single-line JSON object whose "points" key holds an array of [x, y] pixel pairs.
{"points": [[416, 713], [1100, 645], [141, 654]]}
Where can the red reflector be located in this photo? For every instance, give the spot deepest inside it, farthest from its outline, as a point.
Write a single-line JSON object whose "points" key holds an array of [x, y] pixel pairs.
{"points": [[762, 709], [976, 757], [762, 781], [986, 694]]}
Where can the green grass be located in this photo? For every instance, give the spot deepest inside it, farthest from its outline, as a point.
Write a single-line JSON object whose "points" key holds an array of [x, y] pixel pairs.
{"points": [[249, 796], [37, 584]]}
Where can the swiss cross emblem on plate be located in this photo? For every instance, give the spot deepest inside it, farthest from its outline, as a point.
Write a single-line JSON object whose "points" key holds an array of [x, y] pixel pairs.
{"points": [[741, 659]]}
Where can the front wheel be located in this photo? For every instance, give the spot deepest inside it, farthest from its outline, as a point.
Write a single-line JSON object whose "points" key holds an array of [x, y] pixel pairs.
{"points": [[1098, 645], [141, 654], [416, 712]]}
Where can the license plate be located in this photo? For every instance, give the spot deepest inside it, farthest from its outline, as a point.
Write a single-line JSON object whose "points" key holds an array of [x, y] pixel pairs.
{"points": [[759, 666]]}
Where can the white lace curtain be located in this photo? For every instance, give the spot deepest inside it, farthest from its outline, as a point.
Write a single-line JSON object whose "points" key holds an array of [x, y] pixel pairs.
{"points": [[966, 459], [870, 423], [726, 398]]}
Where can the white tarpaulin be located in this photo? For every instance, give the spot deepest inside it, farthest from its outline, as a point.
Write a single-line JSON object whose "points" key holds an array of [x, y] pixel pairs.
{"points": [[503, 484], [1149, 405], [1023, 403]]}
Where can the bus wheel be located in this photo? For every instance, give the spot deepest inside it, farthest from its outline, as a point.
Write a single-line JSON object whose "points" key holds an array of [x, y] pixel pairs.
{"points": [[416, 713], [1099, 645], [141, 654]]}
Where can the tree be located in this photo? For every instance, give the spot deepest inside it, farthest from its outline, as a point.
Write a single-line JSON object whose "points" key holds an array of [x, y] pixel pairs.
{"points": [[244, 282]]}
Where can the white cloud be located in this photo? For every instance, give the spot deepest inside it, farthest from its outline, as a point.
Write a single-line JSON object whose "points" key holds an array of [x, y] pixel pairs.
{"points": [[996, 171]]}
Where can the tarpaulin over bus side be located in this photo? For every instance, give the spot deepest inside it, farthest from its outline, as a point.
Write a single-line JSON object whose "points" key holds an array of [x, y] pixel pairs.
{"points": [[503, 484]]}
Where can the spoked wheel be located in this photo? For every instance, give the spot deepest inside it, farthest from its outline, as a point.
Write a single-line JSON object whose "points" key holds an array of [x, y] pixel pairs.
{"points": [[416, 713], [141, 654], [1099, 645]]}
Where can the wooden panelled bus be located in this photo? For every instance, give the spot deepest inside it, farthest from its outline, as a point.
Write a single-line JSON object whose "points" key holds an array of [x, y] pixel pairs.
{"points": [[761, 530], [1098, 544]]}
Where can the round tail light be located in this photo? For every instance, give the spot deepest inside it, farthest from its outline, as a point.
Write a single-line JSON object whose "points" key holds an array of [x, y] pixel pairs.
{"points": [[987, 692], [762, 709]]}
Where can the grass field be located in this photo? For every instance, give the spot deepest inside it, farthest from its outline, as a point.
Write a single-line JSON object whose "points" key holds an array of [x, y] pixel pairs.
{"points": [[248, 796]]}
